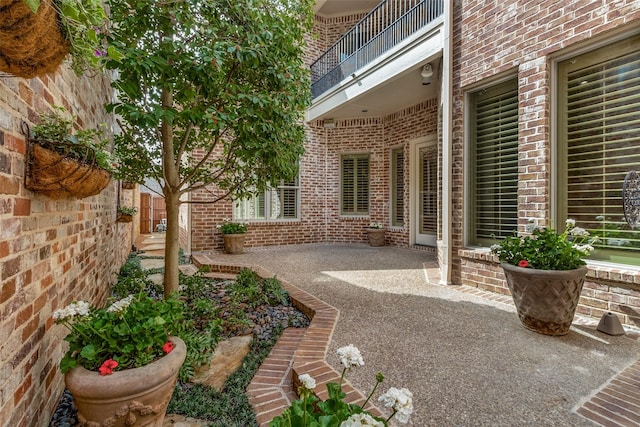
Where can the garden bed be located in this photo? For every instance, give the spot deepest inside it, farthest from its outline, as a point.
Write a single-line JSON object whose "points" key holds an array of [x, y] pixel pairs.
{"points": [[248, 305]]}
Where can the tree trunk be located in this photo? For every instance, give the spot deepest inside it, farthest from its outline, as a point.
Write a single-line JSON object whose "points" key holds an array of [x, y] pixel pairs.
{"points": [[171, 191], [172, 245]]}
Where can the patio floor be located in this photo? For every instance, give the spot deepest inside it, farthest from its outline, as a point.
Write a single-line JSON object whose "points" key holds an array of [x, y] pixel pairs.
{"points": [[461, 351]]}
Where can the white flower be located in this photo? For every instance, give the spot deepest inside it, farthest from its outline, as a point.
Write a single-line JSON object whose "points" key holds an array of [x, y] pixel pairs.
{"points": [[350, 356], [617, 242], [307, 381], [76, 308], [579, 232], [494, 248], [361, 420], [401, 401], [118, 306], [599, 218], [570, 223], [584, 249]]}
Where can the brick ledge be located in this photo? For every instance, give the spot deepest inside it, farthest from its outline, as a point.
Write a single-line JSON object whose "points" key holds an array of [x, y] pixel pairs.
{"points": [[297, 351]]}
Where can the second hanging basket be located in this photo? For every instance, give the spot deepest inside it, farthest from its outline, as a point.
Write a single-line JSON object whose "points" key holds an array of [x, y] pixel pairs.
{"points": [[30, 44]]}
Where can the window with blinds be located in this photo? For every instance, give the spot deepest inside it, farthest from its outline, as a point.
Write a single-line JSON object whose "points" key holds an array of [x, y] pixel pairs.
{"points": [[599, 142], [397, 187], [354, 186], [282, 202], [493, 176]]}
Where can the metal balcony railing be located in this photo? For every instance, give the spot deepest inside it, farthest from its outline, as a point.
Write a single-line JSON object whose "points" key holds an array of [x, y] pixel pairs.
{"points": [[384, 27]]}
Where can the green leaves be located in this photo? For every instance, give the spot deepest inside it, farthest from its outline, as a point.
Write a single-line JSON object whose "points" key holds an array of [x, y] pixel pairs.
{"points": [[33, 5]]}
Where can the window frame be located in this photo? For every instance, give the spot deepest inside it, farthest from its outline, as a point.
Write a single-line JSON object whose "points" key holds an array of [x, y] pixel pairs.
{"points": [[598, 52], [506, 80], [355, 212], [268, 194], [393, 191]]}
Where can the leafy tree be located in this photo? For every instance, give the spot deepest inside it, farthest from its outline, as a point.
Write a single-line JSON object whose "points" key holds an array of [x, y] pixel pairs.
{"points": [[211, 95]]}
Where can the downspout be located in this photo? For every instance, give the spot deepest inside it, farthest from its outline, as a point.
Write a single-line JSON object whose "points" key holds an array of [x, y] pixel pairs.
{"points": [[445, 247]]}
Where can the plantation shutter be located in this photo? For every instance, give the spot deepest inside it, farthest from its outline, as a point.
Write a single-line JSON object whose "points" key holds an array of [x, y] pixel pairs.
{"points": [[495, 162], [599, 135], [397, 187], [355, 184]]}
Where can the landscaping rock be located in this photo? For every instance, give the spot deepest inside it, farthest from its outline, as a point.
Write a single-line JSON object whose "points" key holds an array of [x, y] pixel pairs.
{"points": [[226, 359]]}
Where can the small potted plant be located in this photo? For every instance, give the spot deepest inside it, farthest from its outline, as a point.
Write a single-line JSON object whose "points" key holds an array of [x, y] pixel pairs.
{"points": [[233, 234], [123, 361], [545, 272], [376, 234], [126, 213], [63, 162], [309, 410]]}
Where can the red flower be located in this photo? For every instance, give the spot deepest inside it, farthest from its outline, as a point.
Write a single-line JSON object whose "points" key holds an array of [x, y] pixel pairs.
{"points": [[107, 367], [167, 347], [523, 263]]}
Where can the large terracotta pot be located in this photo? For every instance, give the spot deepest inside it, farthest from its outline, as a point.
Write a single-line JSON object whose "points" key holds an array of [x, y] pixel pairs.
{"points": [[546, 300], [376, 236], [133, 397], [234, 243]]}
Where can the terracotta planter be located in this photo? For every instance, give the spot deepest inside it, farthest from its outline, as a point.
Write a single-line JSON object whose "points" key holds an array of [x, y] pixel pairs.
{"points": [[133, 397], [376, 236], [234, 243], [546, 300]]}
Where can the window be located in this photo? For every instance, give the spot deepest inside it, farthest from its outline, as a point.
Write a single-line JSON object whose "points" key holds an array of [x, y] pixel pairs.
{"points": [[598, 143], [354, 184], [277, 203], [493, 179], [397, 187]]}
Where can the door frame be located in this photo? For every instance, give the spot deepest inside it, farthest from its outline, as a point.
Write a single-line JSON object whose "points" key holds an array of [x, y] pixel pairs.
{"points": [[414, 147]]}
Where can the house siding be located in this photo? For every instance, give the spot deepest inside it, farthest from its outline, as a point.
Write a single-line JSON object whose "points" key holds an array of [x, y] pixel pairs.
{"points": [[52, 252], [493, 39]]}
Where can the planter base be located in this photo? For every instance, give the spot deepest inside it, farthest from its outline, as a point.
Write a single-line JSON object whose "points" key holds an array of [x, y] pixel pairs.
{"points": [[233, 243], [546, 300]]}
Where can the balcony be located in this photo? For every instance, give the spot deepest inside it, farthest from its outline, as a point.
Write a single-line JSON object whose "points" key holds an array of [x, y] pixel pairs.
{"points": [[387, 26]]}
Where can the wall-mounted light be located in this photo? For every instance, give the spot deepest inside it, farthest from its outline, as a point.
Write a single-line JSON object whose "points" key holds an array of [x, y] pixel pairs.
{"points": [[427, 74], [328, 124]]}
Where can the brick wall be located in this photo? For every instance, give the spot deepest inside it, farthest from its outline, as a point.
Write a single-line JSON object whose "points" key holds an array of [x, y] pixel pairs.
{"points": [[51, 251], [496, 37], [320, 219]]}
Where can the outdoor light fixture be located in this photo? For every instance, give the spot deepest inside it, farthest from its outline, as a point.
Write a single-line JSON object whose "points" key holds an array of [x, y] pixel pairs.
{"points": [[427, 74]]}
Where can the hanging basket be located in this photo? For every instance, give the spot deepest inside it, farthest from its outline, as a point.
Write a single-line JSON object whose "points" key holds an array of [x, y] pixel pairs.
{"points": [[30, 44], [53, 172], [124, 218]]}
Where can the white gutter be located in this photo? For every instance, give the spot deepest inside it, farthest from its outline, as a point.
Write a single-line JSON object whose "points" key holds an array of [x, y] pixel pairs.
{"points": [[445, 245]]}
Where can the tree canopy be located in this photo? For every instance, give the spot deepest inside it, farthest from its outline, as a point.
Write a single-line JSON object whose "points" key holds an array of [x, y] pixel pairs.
{"points": [[210, 94]]}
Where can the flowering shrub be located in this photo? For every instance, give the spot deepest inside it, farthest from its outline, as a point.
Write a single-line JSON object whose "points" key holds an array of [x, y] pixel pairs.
{"points": [[547, 250], [127, 210], [309, 411], [229, 227], [130, 333], [377, 225]]}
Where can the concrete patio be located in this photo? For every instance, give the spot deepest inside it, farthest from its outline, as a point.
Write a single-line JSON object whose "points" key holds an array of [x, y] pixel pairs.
{"points": [[462, 352]]}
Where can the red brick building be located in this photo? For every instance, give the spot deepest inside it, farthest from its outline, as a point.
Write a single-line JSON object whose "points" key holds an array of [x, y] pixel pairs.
{"points": [[457, 123]]}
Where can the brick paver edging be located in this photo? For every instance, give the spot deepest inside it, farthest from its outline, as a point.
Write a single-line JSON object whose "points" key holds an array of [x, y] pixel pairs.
{"points": [[298, 351]]}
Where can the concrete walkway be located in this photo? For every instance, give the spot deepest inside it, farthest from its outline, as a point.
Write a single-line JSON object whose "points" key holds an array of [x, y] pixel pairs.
{"points": [[466, 358]]}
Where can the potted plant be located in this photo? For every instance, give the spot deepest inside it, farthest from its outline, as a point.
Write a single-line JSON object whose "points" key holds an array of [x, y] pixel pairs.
{"points": [[126, 213], [35, 36], [545, 273], [376, 234], [63, 163], [123, 361], [309, 410], [233, 234]]}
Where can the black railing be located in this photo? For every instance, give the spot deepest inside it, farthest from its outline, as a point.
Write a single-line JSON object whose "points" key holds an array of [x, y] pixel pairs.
{"points": [[384, 27]]}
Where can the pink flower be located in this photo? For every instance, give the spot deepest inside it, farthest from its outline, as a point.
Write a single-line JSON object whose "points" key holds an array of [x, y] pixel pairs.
{"points": [[167, 347], [523, 263], [107, 367]]}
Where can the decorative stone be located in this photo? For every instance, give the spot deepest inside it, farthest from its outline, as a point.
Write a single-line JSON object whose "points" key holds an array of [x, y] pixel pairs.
{"points": [[226, 359]]}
